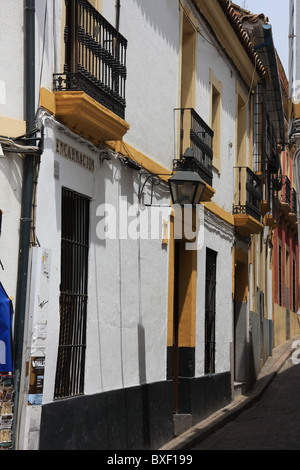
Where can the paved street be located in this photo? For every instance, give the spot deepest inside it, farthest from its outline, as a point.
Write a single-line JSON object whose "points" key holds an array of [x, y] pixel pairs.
{"points": [[272, 423]]}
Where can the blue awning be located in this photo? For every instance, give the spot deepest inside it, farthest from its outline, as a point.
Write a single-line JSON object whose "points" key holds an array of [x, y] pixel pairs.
{"points": [[6, 316]]}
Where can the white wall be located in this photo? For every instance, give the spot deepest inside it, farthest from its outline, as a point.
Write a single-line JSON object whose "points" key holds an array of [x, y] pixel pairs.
{"points": [[128, 283], [11, 174], [209, 57], [218, 236], [152, 31], [11, 59], [49, 42]]}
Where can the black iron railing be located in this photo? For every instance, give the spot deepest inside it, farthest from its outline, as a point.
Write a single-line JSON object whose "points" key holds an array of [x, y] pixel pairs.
{"points": [[73, 300], [286, 191], [95, 57], [261, 136], [248, 196], [294, 201], [195, 133], [265, 150]]}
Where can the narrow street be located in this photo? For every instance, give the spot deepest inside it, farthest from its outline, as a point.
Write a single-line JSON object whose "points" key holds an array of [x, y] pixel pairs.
{"points": [[272, 423]]}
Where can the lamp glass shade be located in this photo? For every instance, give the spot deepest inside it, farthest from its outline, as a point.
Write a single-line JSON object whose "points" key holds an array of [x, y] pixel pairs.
{"points": [[186, 188]]}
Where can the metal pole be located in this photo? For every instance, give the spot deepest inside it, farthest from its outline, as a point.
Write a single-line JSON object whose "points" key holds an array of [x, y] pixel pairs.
{"points": [[118, 6], [26, 209]]}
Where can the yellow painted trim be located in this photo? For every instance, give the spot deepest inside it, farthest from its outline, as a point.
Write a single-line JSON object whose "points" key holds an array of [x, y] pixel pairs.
{"points": [[146, 162], [279, 324], [170, 325], [208, 193], [228, 38], [241, 126], [217, 85], [12, 127], [297, 110], [188, 59], [218, 211], [187, 294], [187, 298], [47, 100], [246, 225], [241, 256], [84, 116], [240, 91]]}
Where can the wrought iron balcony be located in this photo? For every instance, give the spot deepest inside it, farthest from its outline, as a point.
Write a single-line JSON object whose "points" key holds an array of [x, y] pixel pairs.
{"points": [[95, 57], [286, 192], [195, 133], [248, 197], [265, 150], [294, 202]]}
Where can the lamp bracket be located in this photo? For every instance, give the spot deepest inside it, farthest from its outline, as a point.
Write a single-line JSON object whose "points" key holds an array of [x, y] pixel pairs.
{"points": [[151, 179]]}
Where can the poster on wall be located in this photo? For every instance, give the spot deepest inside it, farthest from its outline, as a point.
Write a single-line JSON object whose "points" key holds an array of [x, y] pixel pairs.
{"points": [[36, 382]]}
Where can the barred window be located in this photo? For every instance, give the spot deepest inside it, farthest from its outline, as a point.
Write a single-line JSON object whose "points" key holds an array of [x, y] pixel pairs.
{"points": [[73, 295], [210, 311]]}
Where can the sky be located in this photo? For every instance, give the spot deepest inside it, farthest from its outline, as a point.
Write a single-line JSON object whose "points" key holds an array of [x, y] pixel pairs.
{"points": [[278, 13]]}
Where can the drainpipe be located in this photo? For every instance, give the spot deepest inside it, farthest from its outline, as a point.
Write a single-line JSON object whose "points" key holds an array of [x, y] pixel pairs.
{"points": [[118, 7], [26, 209]]}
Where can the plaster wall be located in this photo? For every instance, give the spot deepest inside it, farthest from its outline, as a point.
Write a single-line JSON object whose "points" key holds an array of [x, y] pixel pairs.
{"points": [[11, 171], [279, 325], [49, 48], [152, 83], [211, 60], [12, 59], [218, 236], [128, 278], [153, 80]]}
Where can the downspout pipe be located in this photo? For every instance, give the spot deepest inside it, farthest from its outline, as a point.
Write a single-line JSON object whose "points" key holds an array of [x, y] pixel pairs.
{"points": [[26, 209], [118, 7]]}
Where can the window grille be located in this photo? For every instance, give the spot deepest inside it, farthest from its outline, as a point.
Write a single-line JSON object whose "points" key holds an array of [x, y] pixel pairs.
{"points": [[210, 311], [73, 295]]}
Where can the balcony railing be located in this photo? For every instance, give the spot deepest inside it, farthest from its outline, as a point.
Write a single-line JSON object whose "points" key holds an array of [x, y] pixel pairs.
{"points": [[286, 191], [95, 57], [195, 133], [265, 150], [294, 202], [247, 197]]}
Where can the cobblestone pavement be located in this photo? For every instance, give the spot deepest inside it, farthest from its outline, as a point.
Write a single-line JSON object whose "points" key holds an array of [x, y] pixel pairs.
{"points": [[272, 423]]}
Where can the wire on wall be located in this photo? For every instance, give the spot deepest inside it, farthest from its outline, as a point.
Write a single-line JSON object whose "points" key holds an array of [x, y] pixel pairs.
{"points": [[197, 27]]}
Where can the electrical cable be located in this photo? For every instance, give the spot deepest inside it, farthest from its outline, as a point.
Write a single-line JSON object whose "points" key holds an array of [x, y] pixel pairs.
{"points": [[197, 28]]}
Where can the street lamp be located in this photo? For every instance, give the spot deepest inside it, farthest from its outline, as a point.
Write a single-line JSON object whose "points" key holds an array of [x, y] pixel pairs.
{"points": [[186, 186]]}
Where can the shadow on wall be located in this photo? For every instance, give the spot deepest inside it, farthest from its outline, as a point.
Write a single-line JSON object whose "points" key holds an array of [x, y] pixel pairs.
{"points": [[11, 167], [156, 18]]}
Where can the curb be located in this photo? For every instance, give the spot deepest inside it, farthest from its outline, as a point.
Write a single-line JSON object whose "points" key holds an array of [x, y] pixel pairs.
{"points": [[206, 427]]}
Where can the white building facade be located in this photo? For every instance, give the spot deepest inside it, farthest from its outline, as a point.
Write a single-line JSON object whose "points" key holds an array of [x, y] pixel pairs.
{"points": [[128, 330]]}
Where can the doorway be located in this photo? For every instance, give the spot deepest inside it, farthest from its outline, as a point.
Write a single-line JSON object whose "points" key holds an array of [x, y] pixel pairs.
{"points": [[184, 318], [240, 320]]}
